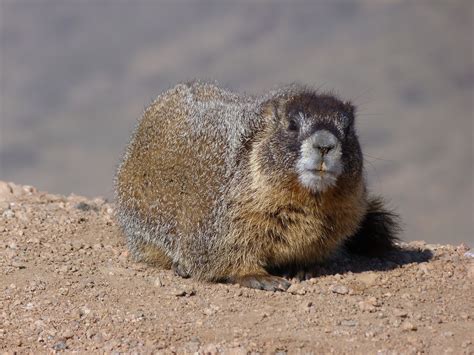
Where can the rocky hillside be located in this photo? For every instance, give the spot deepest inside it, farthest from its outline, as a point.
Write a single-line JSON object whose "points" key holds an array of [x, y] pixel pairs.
{"points": [[67, 284]]}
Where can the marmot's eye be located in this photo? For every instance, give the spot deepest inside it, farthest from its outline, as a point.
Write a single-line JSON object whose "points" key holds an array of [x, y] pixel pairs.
{"points": [[293, 125], [294, 122]]}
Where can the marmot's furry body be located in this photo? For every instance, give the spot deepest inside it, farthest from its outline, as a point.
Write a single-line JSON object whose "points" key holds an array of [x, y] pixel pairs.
{"points": [[227, 188]]}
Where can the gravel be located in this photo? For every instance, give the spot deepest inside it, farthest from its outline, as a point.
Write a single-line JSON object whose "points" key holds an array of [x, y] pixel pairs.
{"points": [[68, 284]]}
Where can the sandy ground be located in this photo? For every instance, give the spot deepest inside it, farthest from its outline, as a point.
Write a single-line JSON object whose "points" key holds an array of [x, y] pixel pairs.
{"points": [[67, 284]]}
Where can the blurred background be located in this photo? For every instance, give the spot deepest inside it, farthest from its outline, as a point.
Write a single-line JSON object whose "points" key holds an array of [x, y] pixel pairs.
{"points": [[76, 75]]}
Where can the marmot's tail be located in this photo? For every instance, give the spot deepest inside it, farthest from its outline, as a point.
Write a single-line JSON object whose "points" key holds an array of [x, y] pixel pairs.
{"points": [[378, 231]]}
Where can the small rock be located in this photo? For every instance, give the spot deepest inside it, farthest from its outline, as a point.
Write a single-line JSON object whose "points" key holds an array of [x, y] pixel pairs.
{"points": [[408, 326], [90, 333], [448, 334], [97, 246], [61, 345], [367, 278], [212, 309], [84, 311], [29, 189], [425, 268], [192, 347], [183, 292], [395, 322], [210, 349], [466, 343], [17, 190], [462, 248], [5, 191], [464, 315], [296, 289], [370, 334], [158, 282], [469, 254], [349, 323], [373, 301], [365, 306], [8, 214], [68, 334], [470, 270], [84, 206], [18, 265], [4, 205], [400, 313], [339, 289]]}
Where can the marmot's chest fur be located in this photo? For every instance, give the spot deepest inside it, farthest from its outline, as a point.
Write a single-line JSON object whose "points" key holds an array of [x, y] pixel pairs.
{"points": [[226, 187], [294, 226]]}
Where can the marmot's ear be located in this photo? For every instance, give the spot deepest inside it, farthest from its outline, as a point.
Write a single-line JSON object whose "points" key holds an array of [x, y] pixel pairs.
{"points": [[350, 108], [273, 110]]}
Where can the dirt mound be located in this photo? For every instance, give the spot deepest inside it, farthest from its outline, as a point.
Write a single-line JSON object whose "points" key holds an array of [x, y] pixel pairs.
{"points": [[67, 284]]}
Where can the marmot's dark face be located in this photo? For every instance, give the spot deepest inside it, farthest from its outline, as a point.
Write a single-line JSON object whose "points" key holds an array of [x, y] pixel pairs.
{"points": [[314, 141]]}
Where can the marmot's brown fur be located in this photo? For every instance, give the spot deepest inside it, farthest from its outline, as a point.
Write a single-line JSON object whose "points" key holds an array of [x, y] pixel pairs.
{"points": [[227, 188]]}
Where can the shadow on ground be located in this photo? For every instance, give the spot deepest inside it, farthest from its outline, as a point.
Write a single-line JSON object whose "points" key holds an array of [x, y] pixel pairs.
{"points": [[347, 262]]}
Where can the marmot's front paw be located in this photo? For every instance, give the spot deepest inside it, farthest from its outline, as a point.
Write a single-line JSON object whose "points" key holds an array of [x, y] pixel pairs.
{"points": [[263, 282]]}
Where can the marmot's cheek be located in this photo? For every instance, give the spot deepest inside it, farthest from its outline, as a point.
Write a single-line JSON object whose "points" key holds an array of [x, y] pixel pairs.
{"points": [[333, 164]]}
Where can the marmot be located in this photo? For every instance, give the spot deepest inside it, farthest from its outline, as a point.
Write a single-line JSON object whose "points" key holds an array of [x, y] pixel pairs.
{"points": [[226, 187]]}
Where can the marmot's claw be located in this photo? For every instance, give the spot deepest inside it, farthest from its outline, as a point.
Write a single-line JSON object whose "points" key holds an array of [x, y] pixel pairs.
{"points": [[264, 282]]}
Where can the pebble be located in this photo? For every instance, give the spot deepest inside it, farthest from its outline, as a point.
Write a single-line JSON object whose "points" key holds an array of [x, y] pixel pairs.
{"points": [[84, 206], [212, 309], [400, 313], [339, 289], [61, 345], [408, 326], [367, 278], [6, 192], [365, 306], [29, 189], [183, 292], [8, 214], [296, 289], [425, 268], [158, 282], [84, 311], [17, 190], [466, 343], [373, 301], [470, 270], [67, 334], [4, 205], [349, 323]]}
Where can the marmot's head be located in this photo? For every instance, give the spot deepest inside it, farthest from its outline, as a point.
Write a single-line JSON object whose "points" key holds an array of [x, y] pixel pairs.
{"points": [[311, 138]]}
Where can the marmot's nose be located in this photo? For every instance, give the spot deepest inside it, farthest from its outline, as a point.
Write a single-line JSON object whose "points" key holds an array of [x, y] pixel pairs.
{"points": [[324, 141], [324, 149]]}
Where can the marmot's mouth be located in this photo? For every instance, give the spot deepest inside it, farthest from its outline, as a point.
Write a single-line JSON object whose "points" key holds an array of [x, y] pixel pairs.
{"points": [[320, 171], [317, 180]]}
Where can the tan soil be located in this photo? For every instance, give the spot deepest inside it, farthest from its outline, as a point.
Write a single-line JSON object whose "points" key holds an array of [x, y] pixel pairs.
{"points": [[68, 284]]}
